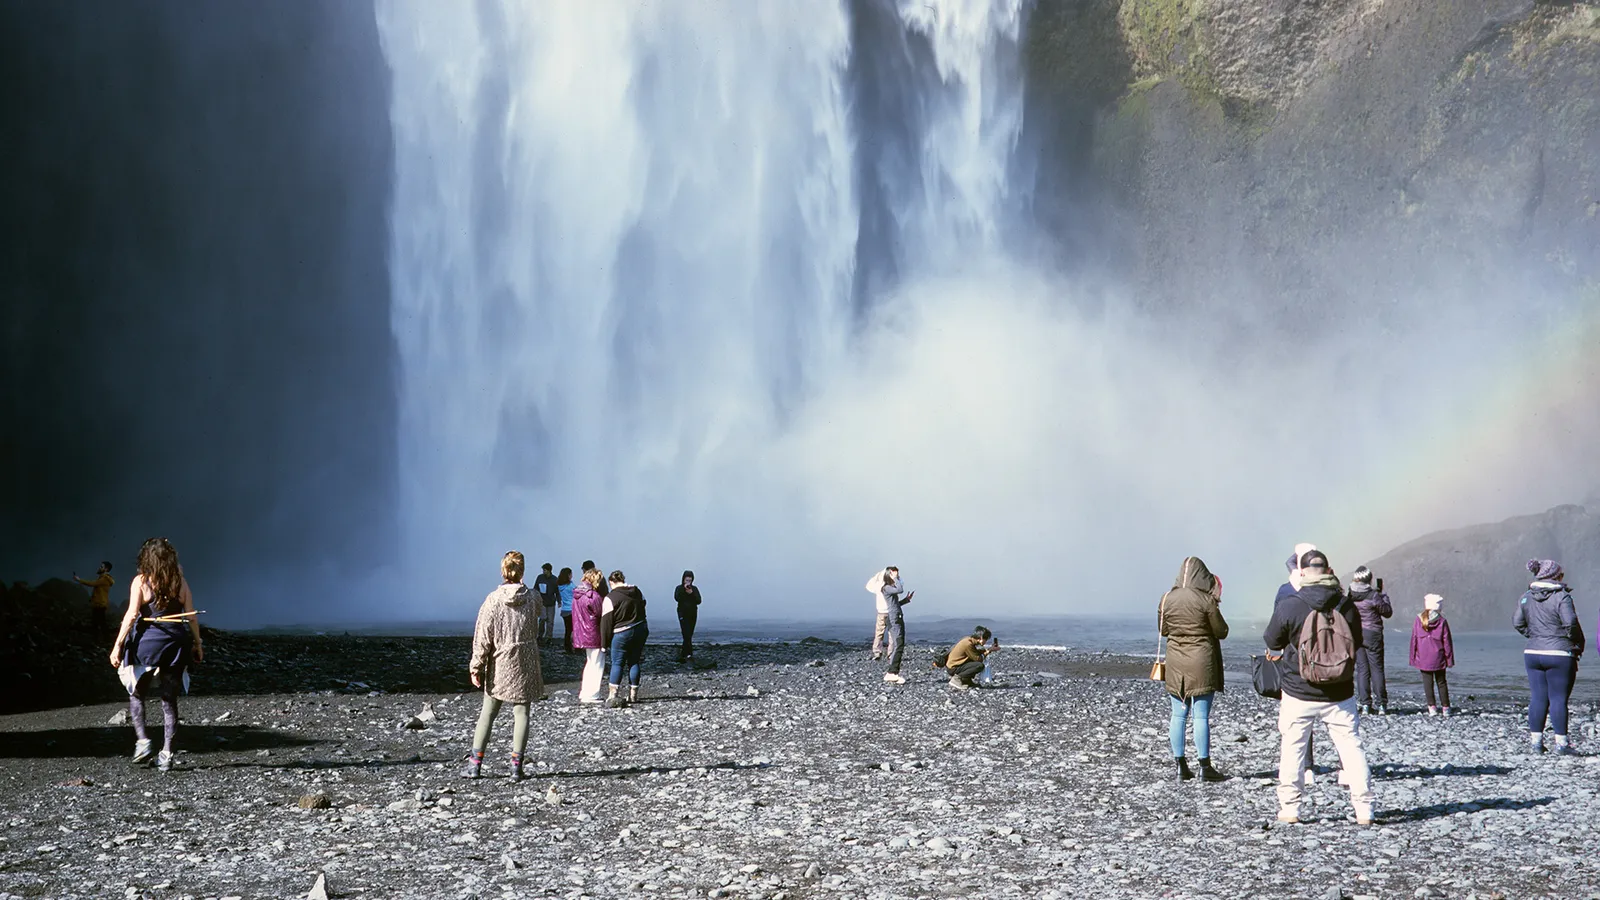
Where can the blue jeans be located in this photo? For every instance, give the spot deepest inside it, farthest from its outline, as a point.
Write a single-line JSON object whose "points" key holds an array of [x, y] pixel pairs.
{"points": [[1202, 724], [627, 649], [1549, 684]]}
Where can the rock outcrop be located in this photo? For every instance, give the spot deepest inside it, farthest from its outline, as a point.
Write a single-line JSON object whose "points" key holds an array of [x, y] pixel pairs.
{"points": [[1270, 160], [1479, 569]]}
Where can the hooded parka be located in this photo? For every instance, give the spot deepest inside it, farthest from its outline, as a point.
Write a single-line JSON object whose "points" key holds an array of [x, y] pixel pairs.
{"points": [[1191, 620], [505, 645]]}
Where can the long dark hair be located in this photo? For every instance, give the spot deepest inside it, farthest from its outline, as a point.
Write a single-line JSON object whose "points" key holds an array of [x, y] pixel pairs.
{"points": [[158, 563], [565, 577]]}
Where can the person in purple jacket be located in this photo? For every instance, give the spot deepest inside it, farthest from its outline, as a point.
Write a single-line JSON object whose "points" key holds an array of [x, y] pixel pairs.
{"points": [[1432, 652], [1372, 687]]}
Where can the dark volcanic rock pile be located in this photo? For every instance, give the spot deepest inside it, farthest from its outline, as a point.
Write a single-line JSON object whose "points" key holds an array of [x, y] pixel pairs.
{"points": [[786, 771]]}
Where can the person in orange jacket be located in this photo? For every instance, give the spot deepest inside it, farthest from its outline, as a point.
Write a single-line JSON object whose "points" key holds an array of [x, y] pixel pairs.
{"points": [[100, 600]]}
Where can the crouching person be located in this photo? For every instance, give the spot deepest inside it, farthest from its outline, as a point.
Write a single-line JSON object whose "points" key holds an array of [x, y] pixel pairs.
{"points": [[505, 662], [966, 659], [1318, 631]]}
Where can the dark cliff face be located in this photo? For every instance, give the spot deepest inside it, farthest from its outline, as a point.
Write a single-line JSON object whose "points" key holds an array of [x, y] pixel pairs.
{"points": [[1480, 569], [1341, 161], [195, 338]]}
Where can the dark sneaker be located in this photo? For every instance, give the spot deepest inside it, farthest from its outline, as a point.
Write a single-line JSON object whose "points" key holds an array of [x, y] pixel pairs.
{"points": [[516, 769], [1565, 750], [474, 767]]}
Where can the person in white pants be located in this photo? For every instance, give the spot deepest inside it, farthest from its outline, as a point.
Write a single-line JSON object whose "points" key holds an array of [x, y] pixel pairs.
{"points": [[1305, 703]]}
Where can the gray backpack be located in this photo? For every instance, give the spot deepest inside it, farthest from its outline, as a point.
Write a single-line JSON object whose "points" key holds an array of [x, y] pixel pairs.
{"points": [[1327, 648]]}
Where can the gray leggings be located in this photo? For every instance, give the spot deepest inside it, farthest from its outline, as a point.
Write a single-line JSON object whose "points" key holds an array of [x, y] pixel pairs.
{"points": [[519, 725]]}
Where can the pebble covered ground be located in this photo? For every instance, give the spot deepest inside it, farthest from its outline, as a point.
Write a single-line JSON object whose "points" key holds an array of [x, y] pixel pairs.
{"points": [[785, 771]]}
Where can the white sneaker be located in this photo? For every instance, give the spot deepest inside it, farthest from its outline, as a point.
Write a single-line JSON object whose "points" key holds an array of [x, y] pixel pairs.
{"points": [[1433, 710], [141, 751], [960, 685], [1363, 816], [894, 678]]}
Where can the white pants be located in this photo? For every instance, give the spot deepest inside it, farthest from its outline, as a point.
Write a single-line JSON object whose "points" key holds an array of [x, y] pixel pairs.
{"points": [[594, 676], [1296, 718]]}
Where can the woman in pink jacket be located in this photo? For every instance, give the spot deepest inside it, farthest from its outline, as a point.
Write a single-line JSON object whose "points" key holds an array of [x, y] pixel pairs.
{"points": [[1432, 652], [586, 601]]}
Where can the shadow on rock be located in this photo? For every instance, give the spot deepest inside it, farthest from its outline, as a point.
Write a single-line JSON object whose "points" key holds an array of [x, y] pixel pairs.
{"points": [[113, 741], [1440, 810], [1386, 773], [651, 770]]}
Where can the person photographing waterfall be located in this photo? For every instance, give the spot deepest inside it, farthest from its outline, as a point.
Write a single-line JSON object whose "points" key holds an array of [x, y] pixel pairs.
{"points": [[891, 595]]}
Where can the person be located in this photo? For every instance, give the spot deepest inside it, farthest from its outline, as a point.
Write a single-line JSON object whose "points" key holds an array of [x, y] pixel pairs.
{"points": [[99, 598], [1547, 618], [589, 566], [891, 594], [1286, 590], [158, 640], [688, 597], [1190, 618], [1372, 686], [967, 658], [1306, 702], [505, 662], [545, 587], [564, 589], [586, 608], [881, 624], [624, 629], [1432, 652]]}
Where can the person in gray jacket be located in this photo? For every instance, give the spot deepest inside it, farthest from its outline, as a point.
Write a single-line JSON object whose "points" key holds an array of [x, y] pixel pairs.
{"points": [[1548, 619], [1372, 687]]}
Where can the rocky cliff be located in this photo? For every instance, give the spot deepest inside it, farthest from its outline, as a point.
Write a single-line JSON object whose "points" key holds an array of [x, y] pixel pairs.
{"points": [[1285, 160], [1479, 569]]}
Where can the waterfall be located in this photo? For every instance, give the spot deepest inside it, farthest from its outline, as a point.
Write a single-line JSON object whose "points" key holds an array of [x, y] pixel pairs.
{"points": [[627, 248]]}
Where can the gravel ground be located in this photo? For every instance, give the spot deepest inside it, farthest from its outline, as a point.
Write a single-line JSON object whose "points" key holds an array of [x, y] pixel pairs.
{"points": [[784, 771]]}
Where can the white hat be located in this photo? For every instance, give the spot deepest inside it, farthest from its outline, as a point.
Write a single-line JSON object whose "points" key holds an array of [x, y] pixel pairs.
{"points": [[1431, 602]]}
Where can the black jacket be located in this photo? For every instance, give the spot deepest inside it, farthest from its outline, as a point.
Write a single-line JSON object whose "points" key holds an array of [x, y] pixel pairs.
{"points": [[1283, 633], [545, 587], [688, 598]]}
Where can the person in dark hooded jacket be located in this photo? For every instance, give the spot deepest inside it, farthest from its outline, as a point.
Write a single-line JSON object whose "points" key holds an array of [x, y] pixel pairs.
{"points": [[1306, 703], [624, 629], [1372, 686], [1547, 618], [1190, 618]]}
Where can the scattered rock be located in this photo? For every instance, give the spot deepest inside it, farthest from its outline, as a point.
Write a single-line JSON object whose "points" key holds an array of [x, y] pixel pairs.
{"points": [[315, 801], [120, 717], [319, 888]]}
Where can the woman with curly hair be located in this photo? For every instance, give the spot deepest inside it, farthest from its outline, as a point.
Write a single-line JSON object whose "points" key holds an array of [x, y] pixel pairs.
{"points": [[505, 662], [158, 640]]}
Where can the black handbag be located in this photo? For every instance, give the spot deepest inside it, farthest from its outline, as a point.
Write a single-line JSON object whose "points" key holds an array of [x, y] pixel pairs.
{"points": [[1266, 676]]}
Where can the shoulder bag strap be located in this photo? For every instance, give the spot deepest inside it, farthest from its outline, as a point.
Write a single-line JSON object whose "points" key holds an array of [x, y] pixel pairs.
{"points": [[1161, 626]]}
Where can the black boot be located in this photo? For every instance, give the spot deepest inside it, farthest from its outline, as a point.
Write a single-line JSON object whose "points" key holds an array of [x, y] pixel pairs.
{"points": [[1183, 770], [1207, 773]]}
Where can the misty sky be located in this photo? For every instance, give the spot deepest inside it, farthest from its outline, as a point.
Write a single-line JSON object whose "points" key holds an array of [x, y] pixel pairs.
{"points": [[347, 302]]}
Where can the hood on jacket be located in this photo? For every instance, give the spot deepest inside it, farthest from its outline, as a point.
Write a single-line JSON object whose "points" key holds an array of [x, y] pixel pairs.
{"points": [[1541, 591], [512, 594], [1429, 618], [1360, 590], [1194, 574], [621, 592], [1321, 592]]}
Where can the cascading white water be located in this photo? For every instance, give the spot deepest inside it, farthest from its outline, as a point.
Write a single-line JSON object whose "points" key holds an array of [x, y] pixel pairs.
{"points": [[624, 237]]}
